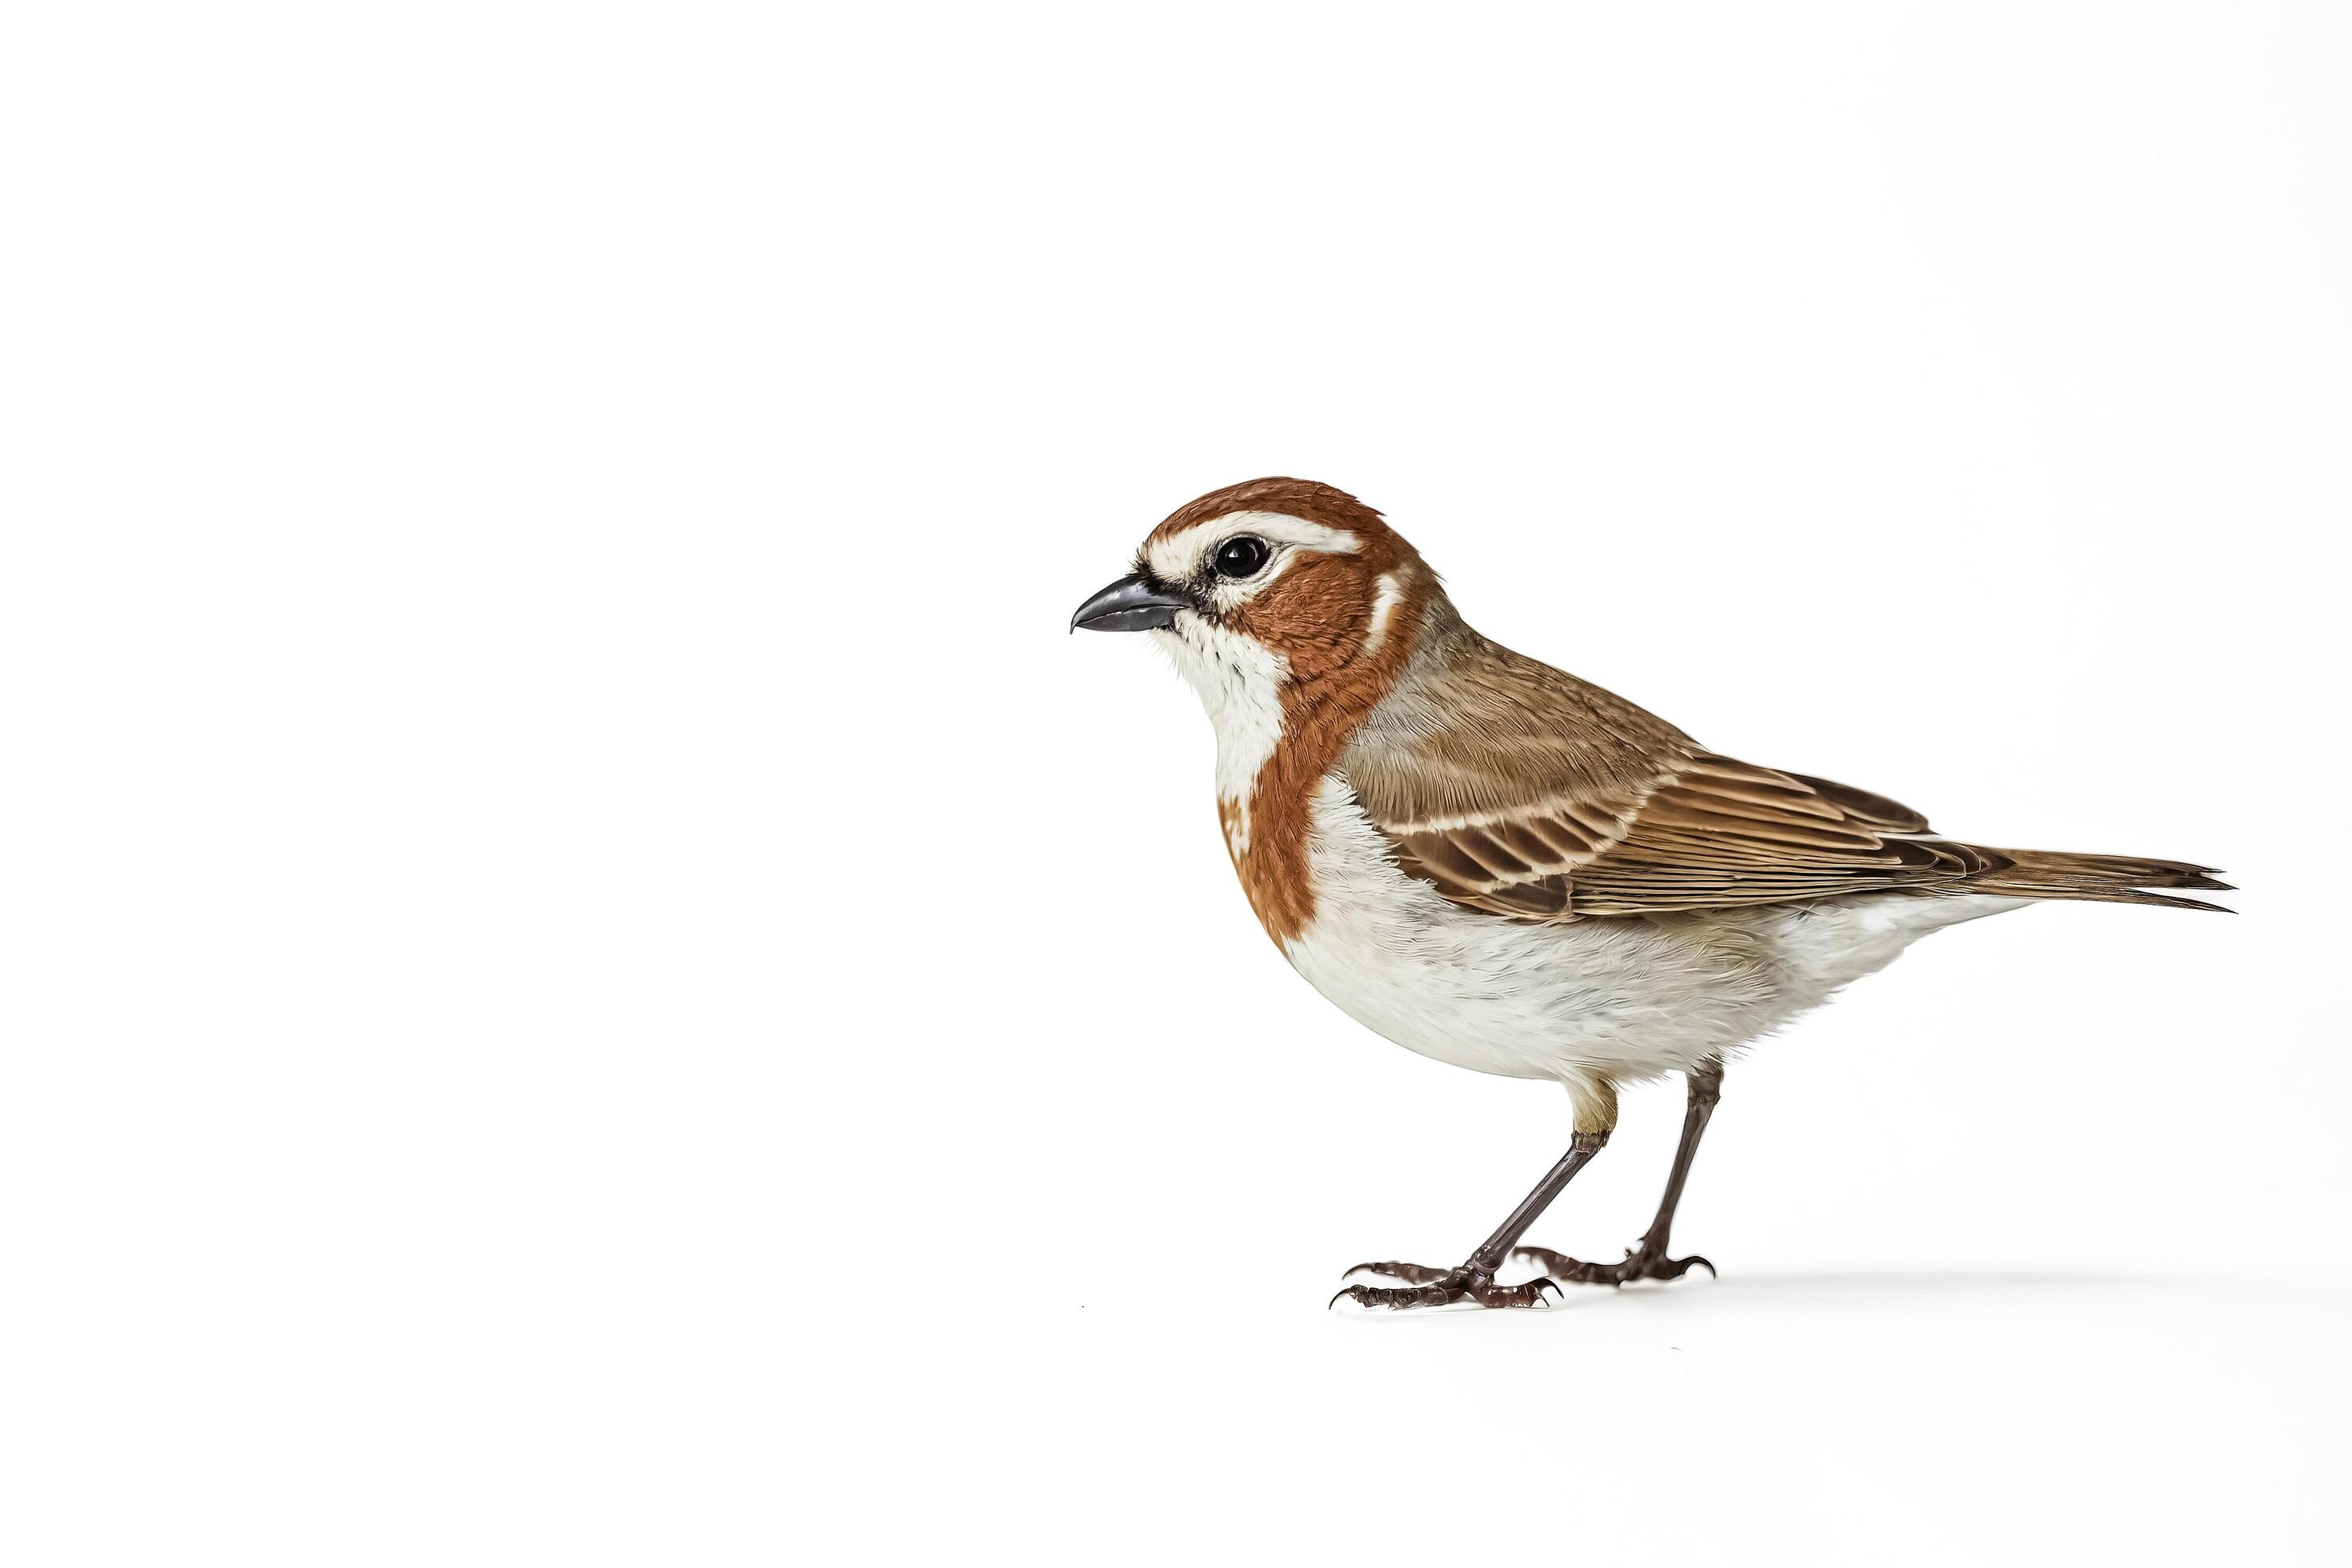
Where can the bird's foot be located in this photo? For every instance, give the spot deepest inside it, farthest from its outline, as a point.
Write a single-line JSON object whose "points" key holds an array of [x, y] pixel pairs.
{"points": [[1642, 1262], [1427, 1287]]}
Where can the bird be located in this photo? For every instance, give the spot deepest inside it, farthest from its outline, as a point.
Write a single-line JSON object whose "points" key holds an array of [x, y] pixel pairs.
{"points": [[1495, 864]]}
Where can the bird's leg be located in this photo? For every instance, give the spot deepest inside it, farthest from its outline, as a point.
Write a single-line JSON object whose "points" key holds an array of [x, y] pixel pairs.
{"points": [[1475, 1279], [1648, 1260]]}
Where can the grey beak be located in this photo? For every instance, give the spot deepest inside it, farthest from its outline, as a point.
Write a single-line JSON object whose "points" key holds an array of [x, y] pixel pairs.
{"points": [[1129, 604]]}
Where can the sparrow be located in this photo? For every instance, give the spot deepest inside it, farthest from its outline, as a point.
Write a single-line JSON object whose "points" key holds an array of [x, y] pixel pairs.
{"points": [[1491, 862]]}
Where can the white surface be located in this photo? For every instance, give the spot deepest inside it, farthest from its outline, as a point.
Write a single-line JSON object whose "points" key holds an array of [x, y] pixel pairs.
{"points": [[590, 978]]}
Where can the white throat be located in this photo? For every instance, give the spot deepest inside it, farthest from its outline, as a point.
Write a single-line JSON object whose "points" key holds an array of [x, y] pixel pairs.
{"points": [[1239, 681]]}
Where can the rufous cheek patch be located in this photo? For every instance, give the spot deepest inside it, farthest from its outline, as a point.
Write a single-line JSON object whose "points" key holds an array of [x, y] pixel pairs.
{"points": [[1315, 614]]}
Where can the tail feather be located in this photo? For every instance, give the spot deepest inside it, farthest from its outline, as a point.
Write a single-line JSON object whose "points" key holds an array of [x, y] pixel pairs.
{"points": [[2103, 878]]}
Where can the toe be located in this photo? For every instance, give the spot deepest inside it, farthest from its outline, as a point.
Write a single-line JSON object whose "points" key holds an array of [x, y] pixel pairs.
{"points": [[1544, 1258], [1411, 1273], [1531, 1294], [1397, 1298]]}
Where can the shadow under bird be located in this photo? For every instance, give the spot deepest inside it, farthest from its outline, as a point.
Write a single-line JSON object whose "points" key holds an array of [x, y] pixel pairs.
{"points": [[1498, 865]]}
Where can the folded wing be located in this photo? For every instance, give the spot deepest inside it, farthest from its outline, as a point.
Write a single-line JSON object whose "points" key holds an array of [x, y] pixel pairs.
{"points": [[1712, 834], [1632, 819]]}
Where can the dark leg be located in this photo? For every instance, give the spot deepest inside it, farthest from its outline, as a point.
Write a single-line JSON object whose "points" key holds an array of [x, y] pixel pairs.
{"points": [[1649, 1260], [1476, 1278]]}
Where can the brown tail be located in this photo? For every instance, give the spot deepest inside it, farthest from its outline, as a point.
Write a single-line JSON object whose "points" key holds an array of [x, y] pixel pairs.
{"points": [[2103, 878]]}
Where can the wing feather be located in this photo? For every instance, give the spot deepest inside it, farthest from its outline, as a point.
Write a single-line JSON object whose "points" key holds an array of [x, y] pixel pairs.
{"points": [[1516, 789]]}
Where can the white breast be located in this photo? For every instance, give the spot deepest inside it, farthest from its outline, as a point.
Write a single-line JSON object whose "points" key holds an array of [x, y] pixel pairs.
{"points": [[1619, 1000]]}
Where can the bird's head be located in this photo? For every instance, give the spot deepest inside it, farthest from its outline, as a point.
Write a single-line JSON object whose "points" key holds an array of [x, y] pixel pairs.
{"points": [[1279, 580]]}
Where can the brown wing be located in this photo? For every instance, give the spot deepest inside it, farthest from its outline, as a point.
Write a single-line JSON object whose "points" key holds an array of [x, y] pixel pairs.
{"points": [[1514, 788], [1714, 834]]}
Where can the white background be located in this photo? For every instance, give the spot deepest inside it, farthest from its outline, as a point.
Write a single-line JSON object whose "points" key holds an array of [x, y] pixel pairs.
{"points": [[590, 977]]}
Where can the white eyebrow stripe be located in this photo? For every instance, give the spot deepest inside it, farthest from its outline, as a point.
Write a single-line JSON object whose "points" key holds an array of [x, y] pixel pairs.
{"points": [[1177, 557]]}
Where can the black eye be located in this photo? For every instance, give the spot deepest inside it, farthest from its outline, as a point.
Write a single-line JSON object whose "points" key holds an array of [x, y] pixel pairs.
{"points": [[1240, 555]]}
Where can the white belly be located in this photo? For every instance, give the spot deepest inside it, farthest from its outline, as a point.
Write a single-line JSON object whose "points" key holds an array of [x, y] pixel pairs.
{"points": [[1616, 999]]}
